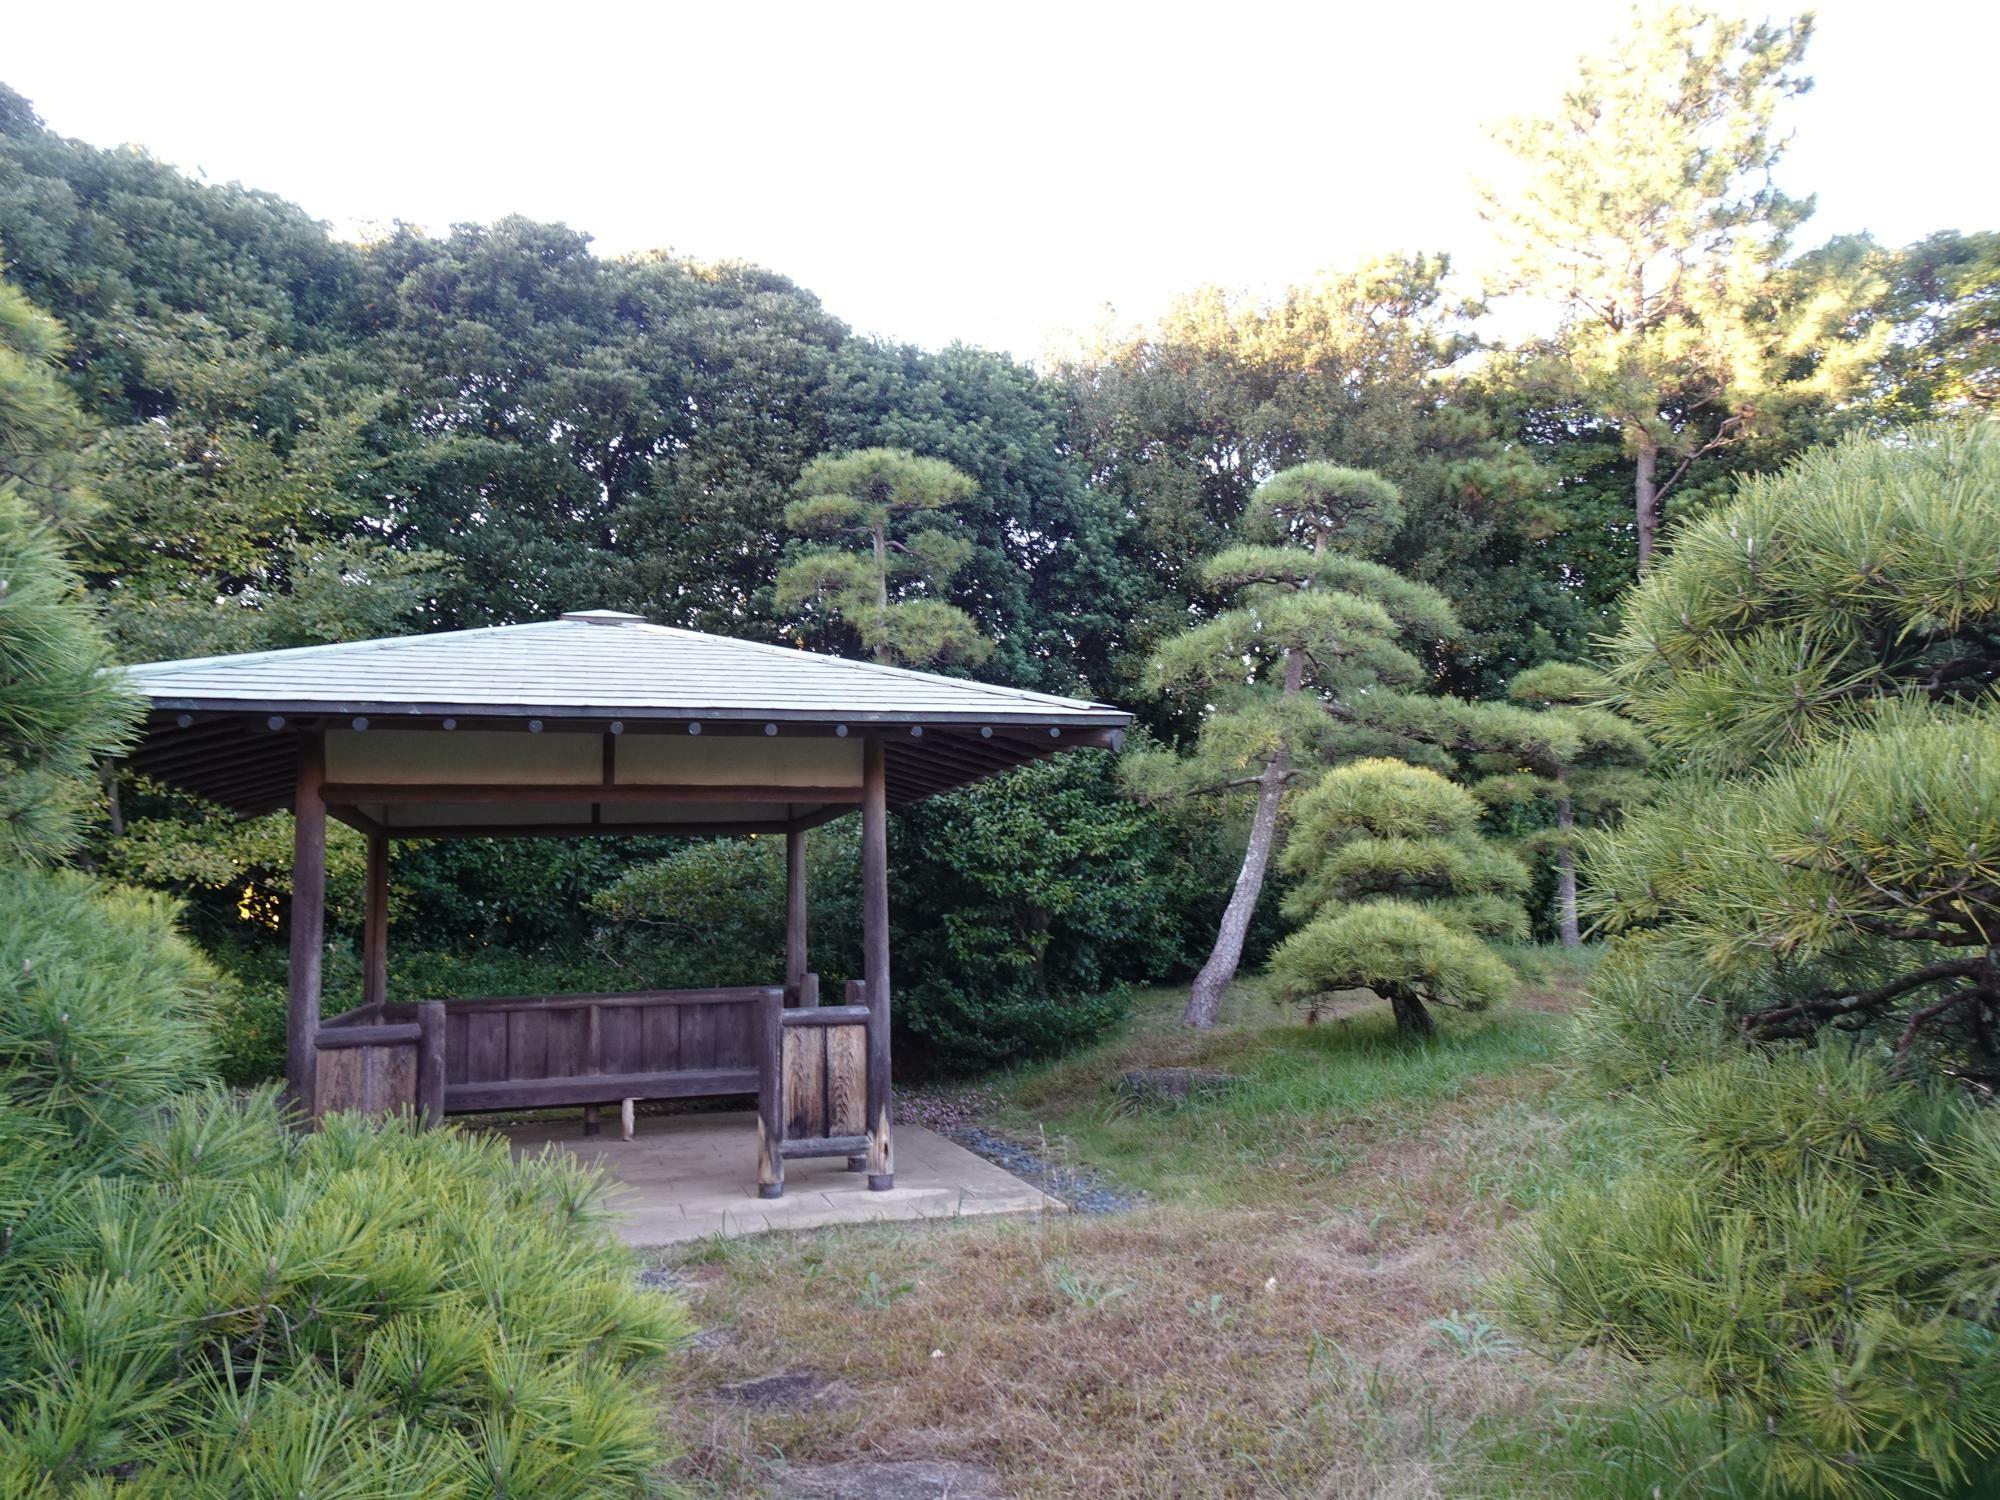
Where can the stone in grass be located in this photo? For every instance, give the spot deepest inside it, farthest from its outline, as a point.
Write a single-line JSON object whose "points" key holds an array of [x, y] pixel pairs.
{"points": [[1174, 1085], [917, 1479], [787, 1388]]}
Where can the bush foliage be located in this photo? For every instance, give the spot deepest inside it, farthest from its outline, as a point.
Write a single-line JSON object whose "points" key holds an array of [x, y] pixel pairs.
{"points": [[1396, 886], [195, 1300], [1808, 1249], [1866, 569]]}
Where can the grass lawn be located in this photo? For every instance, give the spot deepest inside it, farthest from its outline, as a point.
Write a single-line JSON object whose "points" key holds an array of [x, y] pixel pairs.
{"points": [[1294, 1311]]}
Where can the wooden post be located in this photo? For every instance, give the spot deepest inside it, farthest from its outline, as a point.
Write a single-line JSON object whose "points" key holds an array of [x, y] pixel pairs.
{"points": [[308, 924], [795, 915], [375, 924], [430, 1063], [771, 1097], [875, 956], [625, 1118], [856, 994]]}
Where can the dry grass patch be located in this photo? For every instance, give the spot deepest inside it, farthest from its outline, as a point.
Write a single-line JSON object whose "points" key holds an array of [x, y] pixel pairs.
{"points": [[1308, 1331]]}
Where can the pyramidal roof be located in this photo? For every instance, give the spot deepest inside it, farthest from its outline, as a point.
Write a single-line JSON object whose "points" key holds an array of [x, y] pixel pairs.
{"points": [[592, 664]]}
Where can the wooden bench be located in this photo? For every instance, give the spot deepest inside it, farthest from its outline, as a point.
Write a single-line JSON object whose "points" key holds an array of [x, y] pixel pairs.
{"points": [[807, 1064]]}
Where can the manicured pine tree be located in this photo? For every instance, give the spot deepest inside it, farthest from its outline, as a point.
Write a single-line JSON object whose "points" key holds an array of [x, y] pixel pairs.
{"points": [[876, 494], [1397, 887], [1582, 772], [1307, 666]]}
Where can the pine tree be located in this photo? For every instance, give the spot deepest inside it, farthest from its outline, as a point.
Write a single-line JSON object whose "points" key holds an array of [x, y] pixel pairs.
{"points": [[1303, 669], [1649, 218], [1830, 641], [58, 711], [874, 493], [1396, 887], [1583, 772]]}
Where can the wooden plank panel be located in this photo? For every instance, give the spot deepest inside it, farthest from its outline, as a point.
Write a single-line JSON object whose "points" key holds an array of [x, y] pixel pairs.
{"points": [[624, 1041], [736, 1029], [740, 994], [457, 1028], [660, 1038], [528, 1044], [339, 1080], [846, 1080], [566, 1042], [485, 1048], [698, 1036], [396, 1080], [805, 1082], [548, 1093]]}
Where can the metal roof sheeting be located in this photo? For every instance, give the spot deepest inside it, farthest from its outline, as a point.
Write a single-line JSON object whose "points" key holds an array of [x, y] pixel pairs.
{"points": [[225, 728], [593, 664]]}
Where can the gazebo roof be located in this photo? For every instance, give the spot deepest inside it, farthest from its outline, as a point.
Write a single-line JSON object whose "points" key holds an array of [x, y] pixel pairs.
{"points": [[223, 727]]}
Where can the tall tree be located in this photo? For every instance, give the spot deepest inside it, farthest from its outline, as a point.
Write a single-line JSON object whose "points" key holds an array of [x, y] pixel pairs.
{"points": [[1647, 214], [1313, 647], [1180, 422], [1943, 307], [889, 592]]}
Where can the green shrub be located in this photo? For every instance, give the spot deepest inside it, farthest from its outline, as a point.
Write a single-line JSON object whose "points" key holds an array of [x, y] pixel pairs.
{"points": [[713, 911], [1808, 1250], [196, 1300], [1654, 1012], [1024, 904], [1865, 569], [104, 1008], [58, 710], [1856, 888], [1397, 886]]}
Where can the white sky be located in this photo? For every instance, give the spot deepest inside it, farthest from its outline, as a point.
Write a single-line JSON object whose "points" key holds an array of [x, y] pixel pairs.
{"points": [[995, 172]]}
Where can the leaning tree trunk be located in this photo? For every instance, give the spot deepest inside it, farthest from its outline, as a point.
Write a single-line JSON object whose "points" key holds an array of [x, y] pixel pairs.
{"points": [[1646, 502], [1572, 931], [1411, 1014], [1212, 983]]}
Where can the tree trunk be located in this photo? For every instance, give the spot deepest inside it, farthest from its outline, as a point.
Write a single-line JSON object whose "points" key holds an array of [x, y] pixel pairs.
{"points": [[1411, 1015], [1212, 983], [1572, 932], [1646, 502]]}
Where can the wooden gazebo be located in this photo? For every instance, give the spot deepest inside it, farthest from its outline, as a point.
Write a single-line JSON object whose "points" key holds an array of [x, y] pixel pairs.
{"points": [[597, 723]]}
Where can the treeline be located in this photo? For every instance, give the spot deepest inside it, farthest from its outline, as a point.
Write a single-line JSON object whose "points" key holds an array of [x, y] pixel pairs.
{"points": [[275, 437], [494, 424]]}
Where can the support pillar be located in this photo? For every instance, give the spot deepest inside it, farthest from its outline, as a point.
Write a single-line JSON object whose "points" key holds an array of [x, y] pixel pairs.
{"points": [[308, 925], [875, 956], [795, 916], [375, 924]]}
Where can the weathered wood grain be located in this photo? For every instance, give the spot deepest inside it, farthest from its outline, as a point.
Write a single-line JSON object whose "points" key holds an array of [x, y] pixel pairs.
{"points": [[805, 1082], [846, 1080]]}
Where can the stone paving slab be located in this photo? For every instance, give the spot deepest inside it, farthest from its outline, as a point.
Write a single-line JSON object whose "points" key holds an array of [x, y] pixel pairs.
{"points": [[686, 1177]]}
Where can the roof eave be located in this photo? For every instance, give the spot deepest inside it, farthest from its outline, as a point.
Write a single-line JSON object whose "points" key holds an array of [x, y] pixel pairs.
{"points": [[1097, 716]]}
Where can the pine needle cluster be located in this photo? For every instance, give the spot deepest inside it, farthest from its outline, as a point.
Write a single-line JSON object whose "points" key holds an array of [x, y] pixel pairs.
{"points": [[197, 1300], [1396, 887], [1809, 1251], [1865, 570]]}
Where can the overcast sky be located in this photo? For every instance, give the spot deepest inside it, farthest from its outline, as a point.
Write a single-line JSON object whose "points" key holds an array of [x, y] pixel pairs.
{"points": [[997, 173]]}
